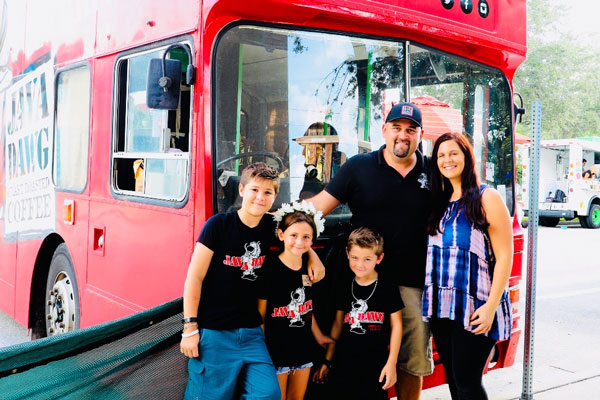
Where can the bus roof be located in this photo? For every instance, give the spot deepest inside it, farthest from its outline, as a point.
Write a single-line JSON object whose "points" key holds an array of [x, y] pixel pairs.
{"points": [[79, 30]]}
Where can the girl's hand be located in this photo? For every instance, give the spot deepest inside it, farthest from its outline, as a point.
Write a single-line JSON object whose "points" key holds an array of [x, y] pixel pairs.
{"points": [[324, 340], [389, 373], [316, 272], [483, 318], [189, 346], [321, 375]]}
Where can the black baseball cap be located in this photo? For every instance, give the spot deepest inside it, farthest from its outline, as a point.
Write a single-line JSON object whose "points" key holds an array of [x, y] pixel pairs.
{"points": [[406, 111]]}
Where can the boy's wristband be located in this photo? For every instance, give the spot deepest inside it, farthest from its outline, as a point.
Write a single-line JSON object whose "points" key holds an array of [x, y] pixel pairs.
{"points": [[190, 334], [189, 319], [327, 363]]}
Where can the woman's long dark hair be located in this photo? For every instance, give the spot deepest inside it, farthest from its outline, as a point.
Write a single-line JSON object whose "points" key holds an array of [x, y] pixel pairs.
{"points": [[441, 188]]}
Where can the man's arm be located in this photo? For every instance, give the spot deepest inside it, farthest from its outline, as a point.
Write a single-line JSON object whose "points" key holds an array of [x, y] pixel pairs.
{"points": [[324, 202]]}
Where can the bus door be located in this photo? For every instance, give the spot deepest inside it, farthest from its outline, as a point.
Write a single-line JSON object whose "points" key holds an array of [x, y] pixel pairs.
{"points": [[147, 217]]}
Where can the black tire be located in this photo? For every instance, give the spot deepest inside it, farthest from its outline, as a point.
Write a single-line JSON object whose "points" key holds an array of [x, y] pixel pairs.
{"points": [[592, 220], [62, 294], [549, 221], [583, 221]]}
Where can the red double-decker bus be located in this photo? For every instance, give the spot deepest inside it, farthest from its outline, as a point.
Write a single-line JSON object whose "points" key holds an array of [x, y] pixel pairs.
{"points": [[102, 197]]}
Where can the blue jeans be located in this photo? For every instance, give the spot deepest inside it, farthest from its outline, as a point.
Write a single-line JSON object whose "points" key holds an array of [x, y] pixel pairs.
{"points": [[232, 363]]}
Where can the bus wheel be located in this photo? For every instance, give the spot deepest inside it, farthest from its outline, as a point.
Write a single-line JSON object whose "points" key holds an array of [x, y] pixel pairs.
{"points": [[592, 220], [62, 294], [549, 221]]}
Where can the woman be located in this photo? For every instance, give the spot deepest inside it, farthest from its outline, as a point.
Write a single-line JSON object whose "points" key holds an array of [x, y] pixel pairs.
{"points": [[469, 259]]}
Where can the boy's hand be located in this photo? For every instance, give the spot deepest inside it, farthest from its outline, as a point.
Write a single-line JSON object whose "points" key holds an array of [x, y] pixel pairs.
{"points": [[389, 373], [189, 346], [321, 375]]}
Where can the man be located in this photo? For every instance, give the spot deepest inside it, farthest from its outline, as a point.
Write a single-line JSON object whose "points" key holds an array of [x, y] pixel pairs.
{"points": [[388, 190]]}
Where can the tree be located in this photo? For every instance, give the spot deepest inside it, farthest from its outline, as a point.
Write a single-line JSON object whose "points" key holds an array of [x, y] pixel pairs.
{"points": [[561, 72]]}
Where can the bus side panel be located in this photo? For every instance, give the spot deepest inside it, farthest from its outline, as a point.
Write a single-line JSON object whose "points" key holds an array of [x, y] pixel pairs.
{"points": [[75, 235], [8, 254], [143, 261], [26, 257], [159, 20]]}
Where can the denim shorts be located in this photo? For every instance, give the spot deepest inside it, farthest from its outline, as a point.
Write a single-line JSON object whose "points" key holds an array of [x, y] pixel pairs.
{"points": [[231, 361], [287, 370]]}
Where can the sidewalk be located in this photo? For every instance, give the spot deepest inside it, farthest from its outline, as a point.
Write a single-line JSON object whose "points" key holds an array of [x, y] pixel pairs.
{"points": [[584, 389]]}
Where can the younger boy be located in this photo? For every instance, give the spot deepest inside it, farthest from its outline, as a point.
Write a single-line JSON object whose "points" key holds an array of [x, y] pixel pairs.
{"points": [[222, 334], [368, 320]]}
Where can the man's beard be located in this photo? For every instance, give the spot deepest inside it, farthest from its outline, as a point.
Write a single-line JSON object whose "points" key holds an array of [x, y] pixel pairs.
{"points": [[401, 153]]}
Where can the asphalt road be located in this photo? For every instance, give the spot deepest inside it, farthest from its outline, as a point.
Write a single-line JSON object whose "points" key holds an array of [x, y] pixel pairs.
{"points": [[567, 321]]}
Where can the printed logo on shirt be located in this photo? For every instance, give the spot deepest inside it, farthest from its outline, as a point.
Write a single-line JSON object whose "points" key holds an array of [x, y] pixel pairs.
{"points": [[295, 309], [250, 261], [423, 181], [359, 314]]}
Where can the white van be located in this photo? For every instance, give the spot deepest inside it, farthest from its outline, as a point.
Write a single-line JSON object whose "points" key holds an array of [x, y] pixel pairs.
{"points": [[565, 191]]}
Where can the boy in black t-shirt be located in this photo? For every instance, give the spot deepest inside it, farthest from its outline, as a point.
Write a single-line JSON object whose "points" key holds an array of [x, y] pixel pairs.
{"points": [[222, 334], [368, 320]]}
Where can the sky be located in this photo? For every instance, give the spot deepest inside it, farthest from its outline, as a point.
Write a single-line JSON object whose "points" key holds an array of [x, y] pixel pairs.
{"points": [[582, 18]]}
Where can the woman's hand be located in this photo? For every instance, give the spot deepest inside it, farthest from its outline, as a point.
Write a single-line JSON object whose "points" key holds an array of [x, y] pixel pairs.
{"points": [[189, 346], [483, 318], [321, 375], [389, 374]]}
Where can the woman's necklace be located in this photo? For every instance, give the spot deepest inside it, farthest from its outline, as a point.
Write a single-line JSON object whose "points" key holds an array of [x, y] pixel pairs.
{"points": [[367, 299]]}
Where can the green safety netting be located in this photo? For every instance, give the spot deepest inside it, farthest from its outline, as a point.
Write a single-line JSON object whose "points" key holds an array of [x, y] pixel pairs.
{"points": [[133, 358]]}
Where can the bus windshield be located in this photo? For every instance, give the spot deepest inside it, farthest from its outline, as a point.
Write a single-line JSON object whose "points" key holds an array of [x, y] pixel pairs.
{"points": [[305, 102]]}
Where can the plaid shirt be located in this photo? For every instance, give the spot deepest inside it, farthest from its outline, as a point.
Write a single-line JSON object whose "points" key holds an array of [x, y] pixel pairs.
{"points": [[460, 266]]}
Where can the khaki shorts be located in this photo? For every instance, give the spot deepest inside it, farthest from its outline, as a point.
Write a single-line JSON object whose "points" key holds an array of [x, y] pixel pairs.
{"points": [[415, 355]]}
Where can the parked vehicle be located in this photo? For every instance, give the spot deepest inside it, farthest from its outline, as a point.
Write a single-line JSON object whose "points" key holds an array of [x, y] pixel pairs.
{"points": [[568, 188], [102, 196]]}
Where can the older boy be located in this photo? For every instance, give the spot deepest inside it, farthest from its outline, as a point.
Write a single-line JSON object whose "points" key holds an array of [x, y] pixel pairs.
{"points": [[222, 334]]}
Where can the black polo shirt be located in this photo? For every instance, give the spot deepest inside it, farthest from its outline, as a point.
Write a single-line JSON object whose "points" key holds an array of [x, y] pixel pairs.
{"points": [[398, 207]]}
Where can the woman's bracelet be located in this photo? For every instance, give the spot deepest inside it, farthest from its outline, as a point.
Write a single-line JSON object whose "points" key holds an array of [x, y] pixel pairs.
{"points": [[189, 334]]}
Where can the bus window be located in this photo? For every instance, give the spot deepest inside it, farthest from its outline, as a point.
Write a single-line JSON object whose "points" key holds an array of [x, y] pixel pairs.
{"points": [[72, 128], [459, 95], [305, 102], [151, 147]]}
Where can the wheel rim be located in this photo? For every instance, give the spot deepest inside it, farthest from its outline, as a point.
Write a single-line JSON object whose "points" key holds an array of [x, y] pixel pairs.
{"points": [[596, 217], [61, 305]]}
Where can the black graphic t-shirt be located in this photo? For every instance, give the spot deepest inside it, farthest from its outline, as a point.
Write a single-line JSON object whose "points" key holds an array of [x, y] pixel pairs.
{"points": [[369, 185], [228, 297], [366, 325], [288, 319]]}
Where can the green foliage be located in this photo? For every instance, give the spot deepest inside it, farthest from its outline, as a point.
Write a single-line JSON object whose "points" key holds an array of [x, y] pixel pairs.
{"points": [[560, 71]]}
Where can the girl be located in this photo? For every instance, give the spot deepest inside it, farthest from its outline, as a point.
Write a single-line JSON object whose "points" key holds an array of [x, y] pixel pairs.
{"points": [[469, 259], [285, 301]]}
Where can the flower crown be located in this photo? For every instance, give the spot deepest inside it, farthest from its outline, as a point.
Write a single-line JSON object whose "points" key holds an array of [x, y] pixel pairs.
{"points": [[304, 207]]}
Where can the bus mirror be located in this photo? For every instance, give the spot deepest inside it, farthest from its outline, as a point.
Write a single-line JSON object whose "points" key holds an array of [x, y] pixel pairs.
{"points": [[162, 90], [164, 79]]}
